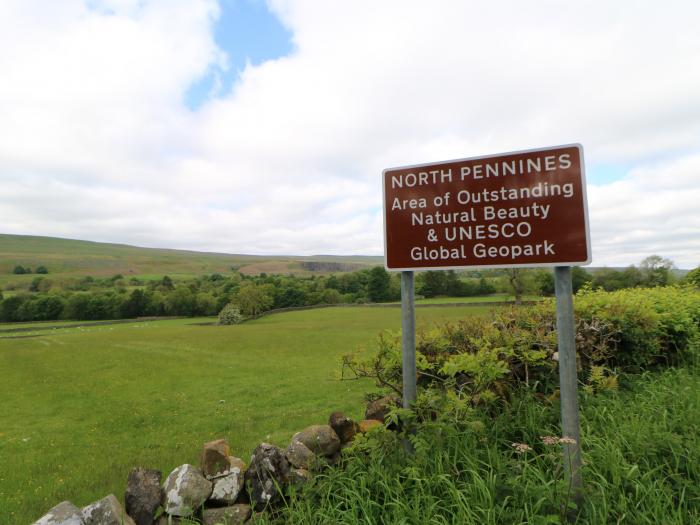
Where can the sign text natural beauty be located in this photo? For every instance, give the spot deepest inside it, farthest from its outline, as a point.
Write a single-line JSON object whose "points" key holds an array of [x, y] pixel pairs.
{"points": [[525, 208]]}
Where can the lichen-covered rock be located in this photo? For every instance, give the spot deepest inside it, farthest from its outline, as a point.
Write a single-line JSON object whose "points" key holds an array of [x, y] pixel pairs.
{"points": [[228, 486], [299, 455], [185, 490], [65, 513], [233, 515], [379, 408], [343, 426], [267, 474], [215, 456], [143, 495], [319, 439], [235, 462], [367, 424], [106, 511]]}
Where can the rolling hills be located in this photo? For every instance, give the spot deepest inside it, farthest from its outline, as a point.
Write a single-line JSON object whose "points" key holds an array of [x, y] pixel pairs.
{"points": [[70, 257]]}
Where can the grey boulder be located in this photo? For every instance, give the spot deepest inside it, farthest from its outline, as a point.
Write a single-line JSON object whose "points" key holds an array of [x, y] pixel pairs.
{"points": [[143, 495], [233, 515], [106, 511], [185, 490], [267, 474], [65, 513], [299, 455], [319, 439], [228, 485]]}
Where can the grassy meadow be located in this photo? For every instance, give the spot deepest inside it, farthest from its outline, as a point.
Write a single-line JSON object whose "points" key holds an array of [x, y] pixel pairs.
{"points": [[81, 406]]}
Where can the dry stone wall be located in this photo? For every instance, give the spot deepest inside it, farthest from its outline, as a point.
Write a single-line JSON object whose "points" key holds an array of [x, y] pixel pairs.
{"points": [[223, 490]]}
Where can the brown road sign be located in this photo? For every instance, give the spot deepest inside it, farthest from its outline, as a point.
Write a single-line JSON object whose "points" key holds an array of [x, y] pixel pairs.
{"points": [[524, 208]]}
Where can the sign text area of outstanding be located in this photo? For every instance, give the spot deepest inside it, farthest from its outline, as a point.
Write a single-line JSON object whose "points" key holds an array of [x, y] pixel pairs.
{"points": [[525, 208]]}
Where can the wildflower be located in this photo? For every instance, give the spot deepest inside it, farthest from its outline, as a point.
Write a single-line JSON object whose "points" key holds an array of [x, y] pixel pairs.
{"points": [[550, 440], [567, 441], [521, 448]]}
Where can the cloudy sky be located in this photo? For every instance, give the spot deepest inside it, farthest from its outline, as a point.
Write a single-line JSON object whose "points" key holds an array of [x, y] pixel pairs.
{"points": [[246, 126]]}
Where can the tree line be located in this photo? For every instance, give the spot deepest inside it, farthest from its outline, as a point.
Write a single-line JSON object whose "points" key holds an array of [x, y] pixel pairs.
{"points": [[90, 298]]}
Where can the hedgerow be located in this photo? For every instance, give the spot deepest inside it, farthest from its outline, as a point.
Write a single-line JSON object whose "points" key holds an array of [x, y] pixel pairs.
{"points": [[484, 359]]}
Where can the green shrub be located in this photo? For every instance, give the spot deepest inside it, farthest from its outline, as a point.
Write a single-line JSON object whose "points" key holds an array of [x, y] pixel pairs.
{"points": [[484, 359], [230, 314]]}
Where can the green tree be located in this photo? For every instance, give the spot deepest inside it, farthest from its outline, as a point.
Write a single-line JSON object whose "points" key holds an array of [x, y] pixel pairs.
{"points": [[485, 287], [42, 269], [656, 270], [206, 304], [40, 284], [579, 278], [693, 277], [135, 305], [167, 283], [378, 285], [19, 270], [77, 306], [544, 280], [47, 308], [253, 299], [181, 301], [432, 283], [516, 280], [9, 308]]}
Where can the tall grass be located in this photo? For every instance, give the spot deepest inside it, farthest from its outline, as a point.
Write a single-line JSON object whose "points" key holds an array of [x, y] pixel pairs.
{"points": [[641, 451]]}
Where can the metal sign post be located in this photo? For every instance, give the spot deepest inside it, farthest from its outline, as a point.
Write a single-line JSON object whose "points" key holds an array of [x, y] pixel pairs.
{"points": [[408, 338], [568, 381]]}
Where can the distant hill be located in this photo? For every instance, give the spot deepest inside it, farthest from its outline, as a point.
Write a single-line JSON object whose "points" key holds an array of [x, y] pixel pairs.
{"points": [[69, 257]]}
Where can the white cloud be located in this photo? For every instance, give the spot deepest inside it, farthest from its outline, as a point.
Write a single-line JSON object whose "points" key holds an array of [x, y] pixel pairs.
{"points": [[97, 141]]}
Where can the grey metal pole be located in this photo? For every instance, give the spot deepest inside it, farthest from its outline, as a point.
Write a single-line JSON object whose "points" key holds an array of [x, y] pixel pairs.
{"points": [[408, 338], [568, 380]]}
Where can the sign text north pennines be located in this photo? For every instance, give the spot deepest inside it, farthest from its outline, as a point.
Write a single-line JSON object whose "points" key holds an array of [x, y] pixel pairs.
{"points": [[525, 208]]}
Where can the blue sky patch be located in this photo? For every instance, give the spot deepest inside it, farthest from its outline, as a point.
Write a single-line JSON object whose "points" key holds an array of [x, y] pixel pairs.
{"points": [[606, 173], [246, 31]]}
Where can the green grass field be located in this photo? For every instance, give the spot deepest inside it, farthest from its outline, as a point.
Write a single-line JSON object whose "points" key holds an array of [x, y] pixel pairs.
{"points": [[81, 406]]}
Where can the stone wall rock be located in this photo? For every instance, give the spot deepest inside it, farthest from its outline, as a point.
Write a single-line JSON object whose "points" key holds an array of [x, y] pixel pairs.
{"points": [[65, 513], [343, 426], [233, 515], [185, 490], [319, 439], [143, 495], [227, 487], [106, 511], [267, 474], [379, 408], [215, 456], [367, 424], [299, 455]]}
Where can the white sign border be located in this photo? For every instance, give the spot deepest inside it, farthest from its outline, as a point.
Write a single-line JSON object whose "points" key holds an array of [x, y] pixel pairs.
{"points": [[488, 266]]}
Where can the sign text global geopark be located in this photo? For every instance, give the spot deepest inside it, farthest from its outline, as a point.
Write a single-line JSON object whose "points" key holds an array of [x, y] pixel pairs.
{"points": [[524, 208]]}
